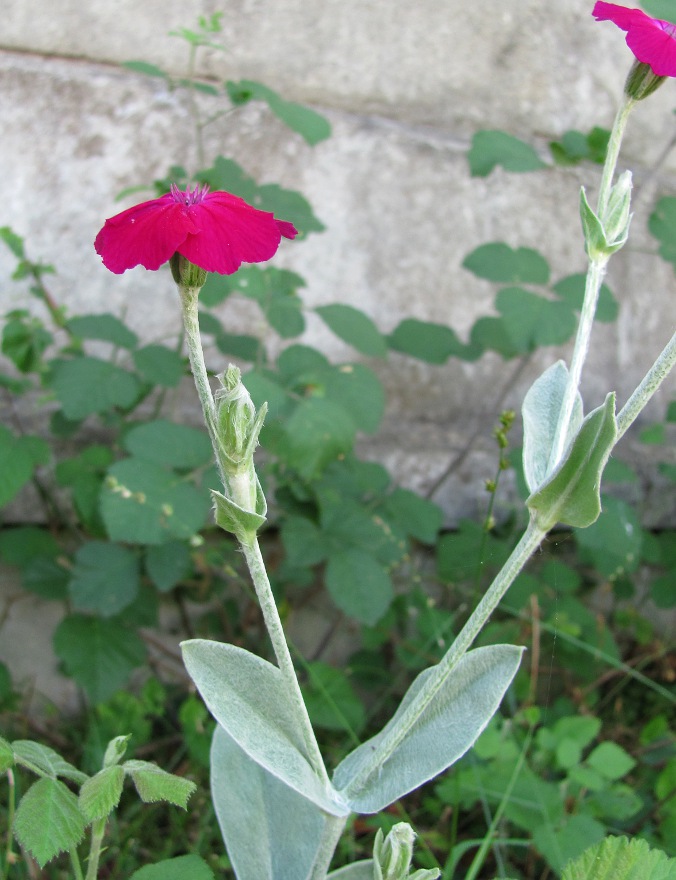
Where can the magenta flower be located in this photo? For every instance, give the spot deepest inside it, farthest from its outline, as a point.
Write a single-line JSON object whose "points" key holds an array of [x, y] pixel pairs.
{"points": [[652, 40], [213, 230]]}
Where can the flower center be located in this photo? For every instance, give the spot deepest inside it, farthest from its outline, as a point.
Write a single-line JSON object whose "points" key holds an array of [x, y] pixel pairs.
{"points": [[669, 29], [189, 197]]}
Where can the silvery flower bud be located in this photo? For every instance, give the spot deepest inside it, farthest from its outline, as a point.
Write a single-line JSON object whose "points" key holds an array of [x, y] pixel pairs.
{"points": [[392, 855]]}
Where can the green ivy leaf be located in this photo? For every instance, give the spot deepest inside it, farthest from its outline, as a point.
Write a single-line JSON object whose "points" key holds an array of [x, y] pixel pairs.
{"points": [[169, 445], [99, 654], [432, 343], [662, 225], [145, 68], [142, 503], [88, 385], [48, 820], [358, 391], [105, 578], [105, 327], [571, 290], [490, 148], [354, 327], [533, 321], [168, 564], [312, 127], [416, 515], [499, 262], [359, 585], [16, 464], [13, 241], [315, 434], [159, 365], [24, 340], [101, 793]]}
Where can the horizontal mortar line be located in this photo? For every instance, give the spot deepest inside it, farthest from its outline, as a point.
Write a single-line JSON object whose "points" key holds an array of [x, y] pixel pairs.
{"points": [[423, 134]]}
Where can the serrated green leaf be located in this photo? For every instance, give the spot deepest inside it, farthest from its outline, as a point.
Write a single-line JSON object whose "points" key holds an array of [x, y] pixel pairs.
{"points": [[45, 761], [142, 503], [154, 784], [308, 123], [169, 445], [354, 327], [499, 262], [432, 343], [359, 585], [159, 365], [490, 148], [101, 793], [179, 868], [105, 578], [88, 385], [571, 495], [99, 654], [617, 858], [105, 327], [48, 820]]}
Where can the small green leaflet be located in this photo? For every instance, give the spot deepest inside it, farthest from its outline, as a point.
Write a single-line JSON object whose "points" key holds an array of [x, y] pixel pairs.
{"points": [[491, 148]]}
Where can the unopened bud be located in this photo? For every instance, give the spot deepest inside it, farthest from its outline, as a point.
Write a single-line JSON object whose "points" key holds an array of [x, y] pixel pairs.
{"points": [[392, 856], [617, 215], [185, 273], [641, 81]]}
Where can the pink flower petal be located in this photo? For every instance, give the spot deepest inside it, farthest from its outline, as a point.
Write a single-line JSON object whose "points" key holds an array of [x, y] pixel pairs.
{"points": [[652, 40], [231, 232], [147, 234]]}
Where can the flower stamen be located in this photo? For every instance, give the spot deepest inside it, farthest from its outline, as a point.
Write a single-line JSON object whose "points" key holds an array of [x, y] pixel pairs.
{"points": [[189, 197]]}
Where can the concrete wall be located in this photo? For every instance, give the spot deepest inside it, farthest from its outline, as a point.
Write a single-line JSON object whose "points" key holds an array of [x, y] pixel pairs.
{"points": [[405, 85]]}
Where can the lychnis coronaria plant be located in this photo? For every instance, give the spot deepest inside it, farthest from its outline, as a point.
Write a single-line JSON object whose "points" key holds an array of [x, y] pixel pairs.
{"points": [[280, 811]]}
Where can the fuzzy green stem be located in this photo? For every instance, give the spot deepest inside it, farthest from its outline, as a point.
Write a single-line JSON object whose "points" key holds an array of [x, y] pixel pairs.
{"points": [[250, 548], [98, 830], [595, 273], [273, 623], [530, 541], [612, 154], [648, 386], [189, 297]]}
